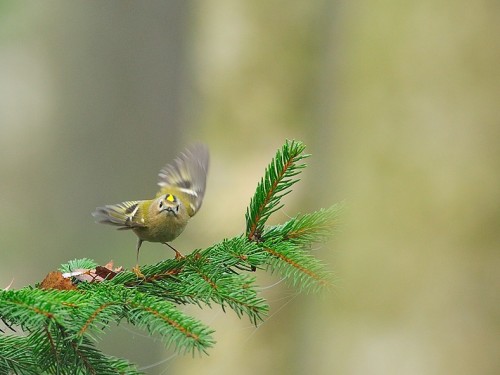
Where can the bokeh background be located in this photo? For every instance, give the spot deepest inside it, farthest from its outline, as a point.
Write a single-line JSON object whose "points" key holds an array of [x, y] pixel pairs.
{"points": [[398, 101]]}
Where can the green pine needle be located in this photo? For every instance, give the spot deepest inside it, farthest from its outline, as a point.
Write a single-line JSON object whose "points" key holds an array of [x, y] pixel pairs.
{"points": [[56, 353], [174, 327], [76, 264], [318, 226], [298, 266], [16, 356]]}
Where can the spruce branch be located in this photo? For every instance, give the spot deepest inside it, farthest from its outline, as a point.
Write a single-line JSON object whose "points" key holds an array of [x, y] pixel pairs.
{"points": [[56, 353], [309, 228], [16, 355], [276, 183], [62, 317], [294, 264]]}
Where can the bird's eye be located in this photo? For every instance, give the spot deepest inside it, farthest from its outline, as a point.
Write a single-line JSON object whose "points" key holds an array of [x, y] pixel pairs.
{"points": [[160, 206]]}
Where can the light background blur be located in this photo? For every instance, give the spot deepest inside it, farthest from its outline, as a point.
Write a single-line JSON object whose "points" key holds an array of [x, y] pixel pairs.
{"points": [[398, 102]]}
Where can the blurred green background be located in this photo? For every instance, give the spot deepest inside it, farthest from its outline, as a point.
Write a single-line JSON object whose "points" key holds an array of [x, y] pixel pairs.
{"points": [[397, 101]]}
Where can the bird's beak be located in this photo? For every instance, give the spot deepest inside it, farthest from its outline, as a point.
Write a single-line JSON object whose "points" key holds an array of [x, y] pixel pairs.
{"points": [[173, 210]]}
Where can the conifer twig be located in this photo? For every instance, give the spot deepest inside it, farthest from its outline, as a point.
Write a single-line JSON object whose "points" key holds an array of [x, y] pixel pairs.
{"points": [[276, 183]]}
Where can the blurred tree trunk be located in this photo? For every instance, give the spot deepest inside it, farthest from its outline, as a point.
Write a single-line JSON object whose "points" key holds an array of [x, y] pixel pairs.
{"points": [[122, 74], [417, 159], [121, 81]]}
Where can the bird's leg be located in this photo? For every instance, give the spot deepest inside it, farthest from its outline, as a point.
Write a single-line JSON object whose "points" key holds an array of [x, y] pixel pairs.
{"points": [[178, 255], [136, 269]]}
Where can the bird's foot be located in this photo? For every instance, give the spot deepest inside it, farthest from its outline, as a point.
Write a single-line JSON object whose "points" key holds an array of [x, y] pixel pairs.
{"points": [[178, 255], [138, 272]]}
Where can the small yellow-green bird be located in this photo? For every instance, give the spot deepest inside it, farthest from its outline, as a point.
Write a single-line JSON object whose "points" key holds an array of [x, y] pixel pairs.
{"points": [[162, 219]]}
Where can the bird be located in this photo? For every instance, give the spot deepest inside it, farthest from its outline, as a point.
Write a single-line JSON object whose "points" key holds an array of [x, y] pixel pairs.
{"points": [[163, 218]]}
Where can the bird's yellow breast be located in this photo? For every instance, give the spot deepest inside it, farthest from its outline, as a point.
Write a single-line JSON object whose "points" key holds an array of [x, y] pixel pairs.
{"points": [[159, 226]]}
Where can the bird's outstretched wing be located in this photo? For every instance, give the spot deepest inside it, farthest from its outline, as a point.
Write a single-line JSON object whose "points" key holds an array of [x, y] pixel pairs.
{"points": [[186, 177]]}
